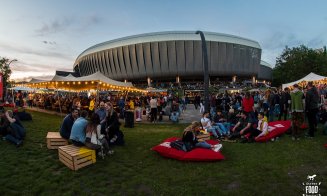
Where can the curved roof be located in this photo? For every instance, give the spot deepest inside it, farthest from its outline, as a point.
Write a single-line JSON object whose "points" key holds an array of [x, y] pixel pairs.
{"points": [[265, 64], [169, 36]]}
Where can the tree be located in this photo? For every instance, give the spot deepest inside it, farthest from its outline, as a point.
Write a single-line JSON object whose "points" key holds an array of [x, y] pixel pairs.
{"points": [[295, 63], [5, 70]]}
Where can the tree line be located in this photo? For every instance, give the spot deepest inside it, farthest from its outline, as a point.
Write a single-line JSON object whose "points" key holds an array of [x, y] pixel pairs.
{"points": [[297, 62]]}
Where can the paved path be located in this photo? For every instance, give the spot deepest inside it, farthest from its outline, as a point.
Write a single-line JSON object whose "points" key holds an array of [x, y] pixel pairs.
{"points": [[188, 116]]}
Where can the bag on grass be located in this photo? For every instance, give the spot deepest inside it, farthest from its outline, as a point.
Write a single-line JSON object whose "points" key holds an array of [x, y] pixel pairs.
{"points": [[178, 144]]}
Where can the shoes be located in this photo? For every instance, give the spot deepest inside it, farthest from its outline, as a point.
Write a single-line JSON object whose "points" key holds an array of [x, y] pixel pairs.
{"points": [[20, 143], [113, 139], [110, 152], [298, 139], [217, 147], [293, 138]]}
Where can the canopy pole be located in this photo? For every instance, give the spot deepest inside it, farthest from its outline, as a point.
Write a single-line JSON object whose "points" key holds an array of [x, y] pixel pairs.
{"points": [[59, 100], [97, 100]]}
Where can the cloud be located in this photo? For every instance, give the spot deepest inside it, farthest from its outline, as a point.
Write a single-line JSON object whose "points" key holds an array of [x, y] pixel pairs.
{"points": [[32, 51], [49, 42], [278, 40], [55, 26], [68, 24]]}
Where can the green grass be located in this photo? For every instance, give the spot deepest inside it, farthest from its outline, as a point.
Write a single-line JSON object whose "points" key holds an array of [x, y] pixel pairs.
{"points": [[274, 168]]}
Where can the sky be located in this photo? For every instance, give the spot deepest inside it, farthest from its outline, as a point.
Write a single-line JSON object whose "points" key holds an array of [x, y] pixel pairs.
{"points": [[48, 35]]}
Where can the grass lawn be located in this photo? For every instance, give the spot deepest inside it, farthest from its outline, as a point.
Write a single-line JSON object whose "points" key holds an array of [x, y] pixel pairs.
{"points": [[274, 168]]}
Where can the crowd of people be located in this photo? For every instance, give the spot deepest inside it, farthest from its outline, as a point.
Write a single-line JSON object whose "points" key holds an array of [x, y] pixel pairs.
{"points": [[99, 132], [247, 114]]}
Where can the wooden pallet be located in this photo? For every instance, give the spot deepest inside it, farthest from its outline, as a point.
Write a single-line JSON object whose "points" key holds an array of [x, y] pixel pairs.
{"points": [[54, 140], [76, 157]]}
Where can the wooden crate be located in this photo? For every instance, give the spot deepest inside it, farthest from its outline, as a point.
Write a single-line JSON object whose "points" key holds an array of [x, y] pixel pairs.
{"points": [[54, 140], [76, 157], [203, 137]]}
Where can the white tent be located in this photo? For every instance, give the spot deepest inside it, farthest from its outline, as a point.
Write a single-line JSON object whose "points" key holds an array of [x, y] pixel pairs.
{"points": [[21, 88], [310, 77], [96, 81]]}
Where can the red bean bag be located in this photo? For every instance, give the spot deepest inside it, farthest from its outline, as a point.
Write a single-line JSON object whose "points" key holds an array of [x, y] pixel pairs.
{"points": [[276, 128], [326, 145], [197, 154]]}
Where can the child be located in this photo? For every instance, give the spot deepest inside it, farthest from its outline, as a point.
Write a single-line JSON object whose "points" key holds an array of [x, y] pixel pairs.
{"points": [[262, 125]]}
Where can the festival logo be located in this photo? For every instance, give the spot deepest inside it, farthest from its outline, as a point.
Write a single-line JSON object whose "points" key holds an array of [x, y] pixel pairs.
{"points": [[312, 186]]}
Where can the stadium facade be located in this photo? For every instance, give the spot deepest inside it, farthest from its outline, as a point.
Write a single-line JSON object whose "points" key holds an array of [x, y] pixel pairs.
{"points": [[176, 55]]}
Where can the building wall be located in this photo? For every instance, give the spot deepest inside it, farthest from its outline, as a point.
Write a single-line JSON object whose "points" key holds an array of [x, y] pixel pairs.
{"points": [[168, 59]]}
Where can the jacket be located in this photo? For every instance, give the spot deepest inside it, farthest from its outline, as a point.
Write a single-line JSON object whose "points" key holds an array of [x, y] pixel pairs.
{"points": [[297, 101]]}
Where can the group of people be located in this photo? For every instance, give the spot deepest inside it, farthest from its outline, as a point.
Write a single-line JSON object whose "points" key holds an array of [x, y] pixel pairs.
{"points": [[256, 109], [100, 132], [11, 129]]}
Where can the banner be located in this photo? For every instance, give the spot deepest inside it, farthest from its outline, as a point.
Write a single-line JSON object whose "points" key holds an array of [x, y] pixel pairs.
{"points": [[1, 86]]}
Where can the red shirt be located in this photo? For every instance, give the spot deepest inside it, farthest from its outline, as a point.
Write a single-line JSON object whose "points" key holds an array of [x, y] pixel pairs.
{"points": [[248, 104]]}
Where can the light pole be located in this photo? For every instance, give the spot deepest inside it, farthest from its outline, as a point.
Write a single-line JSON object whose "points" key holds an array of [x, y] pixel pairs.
{"points": [[205, 70]]}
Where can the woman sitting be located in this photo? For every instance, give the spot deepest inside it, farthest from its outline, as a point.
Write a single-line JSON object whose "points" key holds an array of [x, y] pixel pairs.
{"points": [[94, 139], [190, 140], [112, 132]]}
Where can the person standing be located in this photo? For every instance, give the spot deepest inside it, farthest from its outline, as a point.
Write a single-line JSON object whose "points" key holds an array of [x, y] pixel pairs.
{"points": [[297, 109], [311, 107], [285, 103], [154, 109]]}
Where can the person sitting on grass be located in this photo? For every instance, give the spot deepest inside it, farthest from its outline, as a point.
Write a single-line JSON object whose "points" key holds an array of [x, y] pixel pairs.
{"points": [[242, 127], [190, 140], [77, 136], [207, 125], [94, 139], [67, 124], [222, 123], [12, 129]]}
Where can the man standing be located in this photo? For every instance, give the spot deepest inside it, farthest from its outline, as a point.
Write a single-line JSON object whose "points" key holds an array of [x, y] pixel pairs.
{"points": [[154, 109], [311, 107], [297, 111], [284, 103]]}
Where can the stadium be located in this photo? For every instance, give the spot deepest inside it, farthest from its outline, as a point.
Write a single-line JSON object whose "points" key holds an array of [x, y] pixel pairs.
{"points": [[174, 56]]}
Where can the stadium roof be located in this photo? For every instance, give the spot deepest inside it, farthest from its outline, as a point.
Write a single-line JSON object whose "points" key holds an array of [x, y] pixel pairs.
{"points": [[169, 36]]}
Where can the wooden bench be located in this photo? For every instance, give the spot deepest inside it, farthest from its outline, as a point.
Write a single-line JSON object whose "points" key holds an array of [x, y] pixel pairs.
{"points": [[54, 140], [76, 157]]}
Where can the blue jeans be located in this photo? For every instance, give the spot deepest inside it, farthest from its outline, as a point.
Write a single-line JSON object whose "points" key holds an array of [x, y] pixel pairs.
{"points": [[213, 112], [203, 145], [224, 128], [214, 130], [12, 139], [17, 135]]}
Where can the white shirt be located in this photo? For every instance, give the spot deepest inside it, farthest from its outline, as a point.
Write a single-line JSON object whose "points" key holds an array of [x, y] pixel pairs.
{"points": [[206, 123], [153, 103]]}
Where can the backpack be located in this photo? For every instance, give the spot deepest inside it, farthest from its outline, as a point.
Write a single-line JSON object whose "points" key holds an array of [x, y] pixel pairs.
{"points": [[178, 144]]}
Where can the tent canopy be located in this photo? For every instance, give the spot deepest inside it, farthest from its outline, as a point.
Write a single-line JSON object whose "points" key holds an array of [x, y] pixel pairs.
{"points": [[310, 77], [94, 81], [21, 88]]}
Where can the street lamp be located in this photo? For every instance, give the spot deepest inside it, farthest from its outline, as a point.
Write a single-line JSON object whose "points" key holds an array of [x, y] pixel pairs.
{"points": [[205, 70]]}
